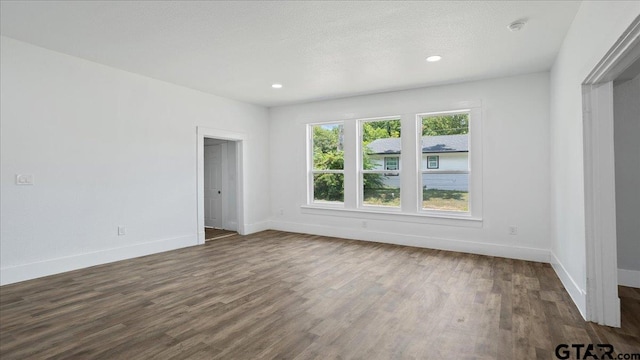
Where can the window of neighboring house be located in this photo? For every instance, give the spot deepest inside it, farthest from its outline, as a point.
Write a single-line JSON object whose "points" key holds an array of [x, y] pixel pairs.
{"points": [[327, 159], [391, 163], [433, 162], [445, 177], [380, 180]]}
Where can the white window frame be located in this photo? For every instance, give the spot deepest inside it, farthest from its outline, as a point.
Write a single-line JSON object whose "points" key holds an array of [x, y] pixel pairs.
{"points": [[410, 210], [474, 162], [360, 166], [311, 171]]}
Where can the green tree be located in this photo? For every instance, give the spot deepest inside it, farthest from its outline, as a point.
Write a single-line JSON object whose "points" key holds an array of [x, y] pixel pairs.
{"points": [[373, 130], [327, 139], [328, 155], [332, 160], [328, 187], [445, 125]]}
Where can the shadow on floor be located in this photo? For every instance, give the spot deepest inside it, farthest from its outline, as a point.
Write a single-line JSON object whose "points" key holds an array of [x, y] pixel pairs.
{"points": [[213, 234]]}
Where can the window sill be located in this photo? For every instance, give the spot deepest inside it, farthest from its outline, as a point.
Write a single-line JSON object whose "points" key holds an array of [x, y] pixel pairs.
{"points": [[396, 216]]}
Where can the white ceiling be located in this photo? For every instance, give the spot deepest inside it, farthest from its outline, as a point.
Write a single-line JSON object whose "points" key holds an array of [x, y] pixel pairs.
{"points": [[317, 50]]}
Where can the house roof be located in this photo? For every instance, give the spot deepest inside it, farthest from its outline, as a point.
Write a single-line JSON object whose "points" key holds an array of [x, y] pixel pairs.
{"points": [[430, 144]]}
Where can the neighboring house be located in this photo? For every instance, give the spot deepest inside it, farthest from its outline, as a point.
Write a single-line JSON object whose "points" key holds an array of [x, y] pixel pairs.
{"points": [[440, 154]]}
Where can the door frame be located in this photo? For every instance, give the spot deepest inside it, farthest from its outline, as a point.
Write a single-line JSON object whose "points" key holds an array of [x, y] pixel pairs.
{"points": [[603, 304], [239, 140]]}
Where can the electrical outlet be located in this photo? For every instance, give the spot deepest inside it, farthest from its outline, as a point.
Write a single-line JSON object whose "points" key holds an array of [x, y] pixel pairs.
{"points": [[513, 230], [281, 212], [364, 224], [23, 179], [122, 231]]}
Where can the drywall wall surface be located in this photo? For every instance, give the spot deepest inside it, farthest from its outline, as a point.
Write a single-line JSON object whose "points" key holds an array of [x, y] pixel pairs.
{"points": [[596, 27], [515, 141], [626, 113], [106, 148]]}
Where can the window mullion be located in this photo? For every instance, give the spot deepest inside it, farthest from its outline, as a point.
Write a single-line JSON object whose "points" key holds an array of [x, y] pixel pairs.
{"points": [[309, 193], [351, 164], [475, 163], [410, 165]]}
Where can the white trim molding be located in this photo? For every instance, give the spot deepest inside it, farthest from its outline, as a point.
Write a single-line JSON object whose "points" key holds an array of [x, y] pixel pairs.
{"points": [[256, 227], [621, 55], [397, 216], [13, 274], [630, 278], [600, 205], [499, 250], [578, 295], [224, 185]]}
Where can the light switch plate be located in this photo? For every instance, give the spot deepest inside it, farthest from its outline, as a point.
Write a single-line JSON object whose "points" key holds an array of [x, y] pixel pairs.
{"points": [[24, 179]]}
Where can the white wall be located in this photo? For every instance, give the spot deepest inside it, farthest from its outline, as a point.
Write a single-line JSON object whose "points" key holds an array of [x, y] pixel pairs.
{"points": [[106, 148], [626, 100], [596, 27], [515, 131]]}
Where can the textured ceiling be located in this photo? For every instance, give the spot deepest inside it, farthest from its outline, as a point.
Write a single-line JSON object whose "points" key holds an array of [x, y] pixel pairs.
{"points": [[318, 50]]}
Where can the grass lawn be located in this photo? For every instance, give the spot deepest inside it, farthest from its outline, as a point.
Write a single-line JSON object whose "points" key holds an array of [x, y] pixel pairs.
{"points": [[451, 200], [383, 197], [434, 199]]}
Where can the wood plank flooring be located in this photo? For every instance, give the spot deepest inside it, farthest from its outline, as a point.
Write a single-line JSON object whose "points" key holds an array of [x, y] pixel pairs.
{"points": [[213, 234], [277, 295]]}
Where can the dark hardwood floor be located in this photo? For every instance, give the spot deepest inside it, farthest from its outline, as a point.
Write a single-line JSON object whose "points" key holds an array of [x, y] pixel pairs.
{"points": [[213, 234], [277, 295]]}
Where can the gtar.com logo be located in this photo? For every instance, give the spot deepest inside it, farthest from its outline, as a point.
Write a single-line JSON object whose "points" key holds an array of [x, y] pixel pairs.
{"points": [[591, 351]]}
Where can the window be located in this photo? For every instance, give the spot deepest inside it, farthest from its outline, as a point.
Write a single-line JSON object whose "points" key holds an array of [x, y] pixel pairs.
{"points": [[327, 173], [379, 174], [433, 162], [357, 167], [445, 176], [391, 163]]}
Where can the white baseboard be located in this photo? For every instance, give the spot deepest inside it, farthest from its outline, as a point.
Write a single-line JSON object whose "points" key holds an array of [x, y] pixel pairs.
{"points": [[512, 252], [578, 295], [13, 274], [630, 278], [256, 227]]}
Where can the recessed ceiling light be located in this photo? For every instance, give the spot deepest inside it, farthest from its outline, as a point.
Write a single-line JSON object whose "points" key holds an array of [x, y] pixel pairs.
{"points": [[277, 86], [516, 25], [434, 58]]}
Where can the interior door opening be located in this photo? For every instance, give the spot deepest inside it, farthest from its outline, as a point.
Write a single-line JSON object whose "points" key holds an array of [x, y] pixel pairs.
{"points": [[626, 132], [220, 176], [603, 305], [233, 184]]}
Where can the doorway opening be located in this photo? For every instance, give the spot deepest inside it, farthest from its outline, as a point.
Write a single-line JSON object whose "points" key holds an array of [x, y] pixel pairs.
{"points": [[603, 303], [220, 174], [220, 184], [626, 129]]}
